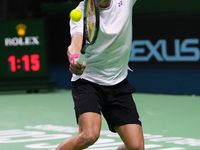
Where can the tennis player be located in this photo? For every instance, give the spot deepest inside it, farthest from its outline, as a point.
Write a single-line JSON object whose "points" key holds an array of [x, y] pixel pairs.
{"points": [[99, 85]]}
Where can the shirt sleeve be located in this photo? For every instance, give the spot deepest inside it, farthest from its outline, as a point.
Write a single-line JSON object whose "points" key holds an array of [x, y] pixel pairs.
{"points": [[77, 27]]}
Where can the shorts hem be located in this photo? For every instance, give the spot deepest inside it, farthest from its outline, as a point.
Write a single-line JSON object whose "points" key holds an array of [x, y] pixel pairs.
{"points": [[121, 124], [80, 113]]}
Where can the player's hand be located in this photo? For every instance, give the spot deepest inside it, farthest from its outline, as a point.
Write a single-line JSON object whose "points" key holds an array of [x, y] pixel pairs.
{"points": [[76, 68]]}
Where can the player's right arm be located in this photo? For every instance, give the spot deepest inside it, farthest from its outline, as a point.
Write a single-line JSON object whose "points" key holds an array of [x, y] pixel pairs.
{"points": [[75, 48], [76, 31]]}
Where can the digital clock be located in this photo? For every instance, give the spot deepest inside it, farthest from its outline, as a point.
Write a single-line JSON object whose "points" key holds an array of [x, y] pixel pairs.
{"points": [[23, 56], [27, 63], [23, 63]]}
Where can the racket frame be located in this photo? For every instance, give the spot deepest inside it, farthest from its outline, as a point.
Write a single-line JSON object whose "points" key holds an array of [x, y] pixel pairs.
{"points": [[86, 41]]}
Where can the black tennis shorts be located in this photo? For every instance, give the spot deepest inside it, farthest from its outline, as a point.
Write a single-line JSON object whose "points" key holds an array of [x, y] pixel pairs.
{"points": [[114, 102]]}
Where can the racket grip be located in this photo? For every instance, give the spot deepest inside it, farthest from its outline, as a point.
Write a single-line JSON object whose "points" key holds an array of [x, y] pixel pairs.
{"points": [[81, 58]]}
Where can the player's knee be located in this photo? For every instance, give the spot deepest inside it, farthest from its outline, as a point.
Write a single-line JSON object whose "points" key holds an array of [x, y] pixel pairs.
{"points": [[90, 138], [136, 146]]}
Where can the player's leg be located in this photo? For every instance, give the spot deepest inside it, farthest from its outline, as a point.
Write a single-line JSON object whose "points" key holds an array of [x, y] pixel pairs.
{"points": [[122, 116], [122, 147], [89, 131], [132, 136], [88, 116]]}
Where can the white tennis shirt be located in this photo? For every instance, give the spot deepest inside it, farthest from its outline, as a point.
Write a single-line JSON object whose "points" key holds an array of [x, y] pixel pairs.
{"points": [[107, 59]]}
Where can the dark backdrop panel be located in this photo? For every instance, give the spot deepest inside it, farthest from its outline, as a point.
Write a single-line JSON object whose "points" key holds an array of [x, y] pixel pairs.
{"points": [[180, 34], [58, 38]]}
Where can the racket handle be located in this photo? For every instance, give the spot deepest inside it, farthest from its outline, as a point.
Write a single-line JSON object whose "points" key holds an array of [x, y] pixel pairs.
{"points": [[81, 58]]}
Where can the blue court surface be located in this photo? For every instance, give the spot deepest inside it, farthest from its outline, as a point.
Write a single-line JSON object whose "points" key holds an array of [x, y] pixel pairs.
{"points": [[42, 120]]}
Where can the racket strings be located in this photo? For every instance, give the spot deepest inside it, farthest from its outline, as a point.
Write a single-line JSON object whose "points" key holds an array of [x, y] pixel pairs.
{"points": [[91, 20]]}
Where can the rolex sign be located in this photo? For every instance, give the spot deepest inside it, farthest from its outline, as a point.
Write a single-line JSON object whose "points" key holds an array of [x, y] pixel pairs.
{"points": [[26, 33]]}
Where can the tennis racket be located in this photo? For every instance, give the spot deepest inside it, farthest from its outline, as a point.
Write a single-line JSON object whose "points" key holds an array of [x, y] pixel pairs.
{"points": [[90, 26]]}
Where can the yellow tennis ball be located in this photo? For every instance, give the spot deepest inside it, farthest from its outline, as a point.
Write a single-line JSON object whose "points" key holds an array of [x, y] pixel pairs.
{"points": [[76, 15]]}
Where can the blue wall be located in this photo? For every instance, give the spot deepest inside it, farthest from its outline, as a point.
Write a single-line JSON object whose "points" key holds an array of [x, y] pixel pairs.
{"points": [[145, 80], [61, 74], [166, 81]]}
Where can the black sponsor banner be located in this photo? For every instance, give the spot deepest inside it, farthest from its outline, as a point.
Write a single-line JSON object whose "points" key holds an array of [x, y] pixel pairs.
{"points": [[166, 42]]}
